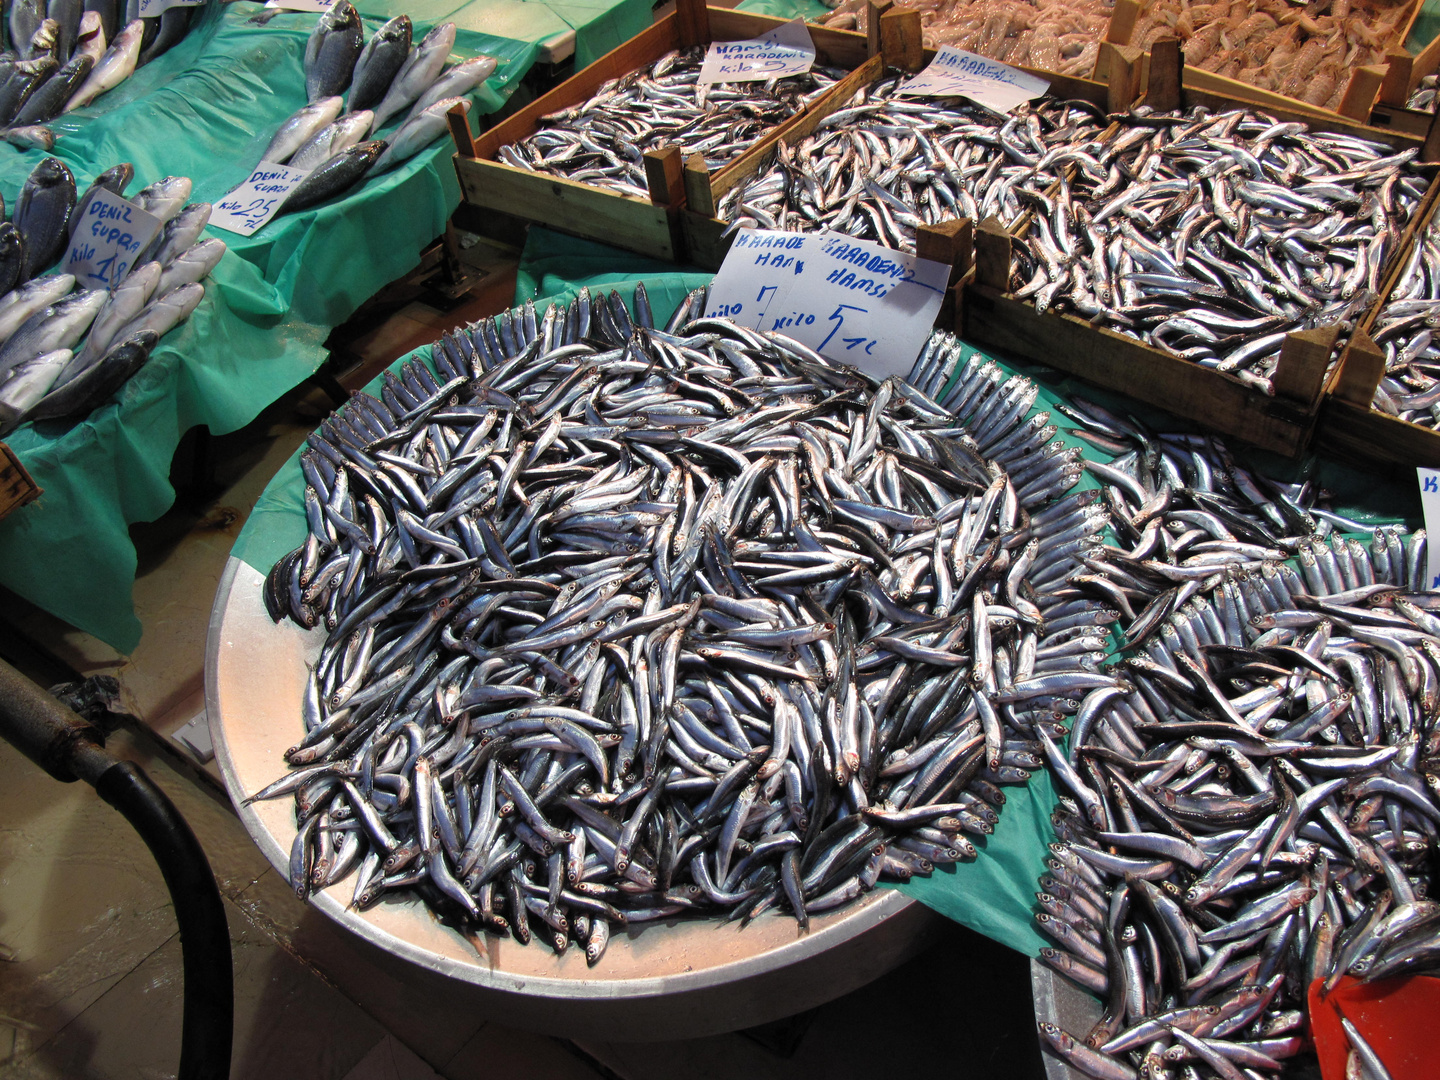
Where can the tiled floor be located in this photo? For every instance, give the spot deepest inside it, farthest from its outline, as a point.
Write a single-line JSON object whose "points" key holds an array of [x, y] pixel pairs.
{"points": [[90, 977]]}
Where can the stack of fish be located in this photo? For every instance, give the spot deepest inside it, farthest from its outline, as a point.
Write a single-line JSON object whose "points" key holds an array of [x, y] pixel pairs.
{"points": [[58, 58], [385, 76], [1212, 236], [62, 351], [883, 165], [1250, 806], [623, 622], [1405, 329], [1054, 35], [603, 141]]}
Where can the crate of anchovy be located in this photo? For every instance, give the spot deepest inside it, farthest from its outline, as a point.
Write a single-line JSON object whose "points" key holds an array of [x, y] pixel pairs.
{"points": [[1207, 260], [1383, 401], [613, 152], [884, 167], [1274, 53]]}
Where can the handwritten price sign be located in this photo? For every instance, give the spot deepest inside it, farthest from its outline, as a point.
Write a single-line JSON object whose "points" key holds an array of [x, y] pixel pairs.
{"points": [[850, 300], [105, 244], [254, 202], [762, 265], [956, 73], [786, 50]]}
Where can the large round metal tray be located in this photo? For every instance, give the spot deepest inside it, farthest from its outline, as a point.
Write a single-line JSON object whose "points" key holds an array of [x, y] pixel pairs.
{"points": [[684, 978]]}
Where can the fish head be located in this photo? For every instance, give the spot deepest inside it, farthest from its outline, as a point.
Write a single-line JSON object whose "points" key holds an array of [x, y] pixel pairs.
{"points": [[439, 37], [137, 345], [397, 29], [116, 178], [341, 16]]}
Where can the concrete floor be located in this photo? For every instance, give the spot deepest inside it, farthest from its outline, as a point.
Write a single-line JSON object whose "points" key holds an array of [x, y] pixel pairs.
{"points": [[90, 977]]}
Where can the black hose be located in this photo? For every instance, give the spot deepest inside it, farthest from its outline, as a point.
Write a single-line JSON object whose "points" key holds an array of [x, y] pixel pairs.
{"points": [[204, 936], [69, 749]]}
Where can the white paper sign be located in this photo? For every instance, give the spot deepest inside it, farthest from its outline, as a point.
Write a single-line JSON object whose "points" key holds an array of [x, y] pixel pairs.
{"points": [[149, 9], [302, 5], [850, 300], [105, 243], [1430, 500], [759, 269], [254, 202], [786, 50], [956, 73]]}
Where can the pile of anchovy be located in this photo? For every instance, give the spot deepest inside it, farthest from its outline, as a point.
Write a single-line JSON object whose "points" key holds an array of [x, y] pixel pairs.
{"points": [[885, 164], [1405, 328], [1213, 235], [1250, 806], [623, 621], [1186, 519], [603, 141]]}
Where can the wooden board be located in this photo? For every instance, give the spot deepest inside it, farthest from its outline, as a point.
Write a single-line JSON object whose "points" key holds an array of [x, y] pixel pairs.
{"points": [[1219, 401], [1348, 431], [16, 486], [569, 206]]}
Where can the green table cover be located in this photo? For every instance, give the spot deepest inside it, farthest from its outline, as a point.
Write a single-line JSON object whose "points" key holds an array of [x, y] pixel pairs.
{"points": [[809, 10], [206, 110]]}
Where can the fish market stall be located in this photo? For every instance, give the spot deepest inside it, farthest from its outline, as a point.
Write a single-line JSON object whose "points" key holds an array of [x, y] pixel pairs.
{"points": [[206, 110], [1207, 614]]}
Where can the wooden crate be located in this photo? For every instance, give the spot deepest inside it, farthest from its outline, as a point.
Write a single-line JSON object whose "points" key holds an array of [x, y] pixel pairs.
{"points": [[1349, 426], [705, 236], [1362, 90], [1285, 423], [651, 226], [16, 486]]}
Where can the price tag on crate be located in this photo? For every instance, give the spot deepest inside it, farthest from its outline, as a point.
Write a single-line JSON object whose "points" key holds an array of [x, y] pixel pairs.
{"points": [[149, 9], [760, 268], [850, 300], [956, 73], [254, 202], [302, 5], [105, 244], [1430, 502], [786, 50]]}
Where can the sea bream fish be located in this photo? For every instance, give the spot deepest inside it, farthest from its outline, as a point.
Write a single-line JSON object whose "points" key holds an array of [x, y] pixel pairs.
{"points": [[301, 127], [419, 72], [384, 55], [331, 51]]}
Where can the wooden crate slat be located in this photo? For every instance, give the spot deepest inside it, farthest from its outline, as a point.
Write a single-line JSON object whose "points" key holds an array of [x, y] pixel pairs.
{"points": [[1222, 402], [569, 206]]}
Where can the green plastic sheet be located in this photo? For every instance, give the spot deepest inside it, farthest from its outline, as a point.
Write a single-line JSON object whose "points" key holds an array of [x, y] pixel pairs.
{"points": [[809, 10], [206, 110], [1426, 28]]}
